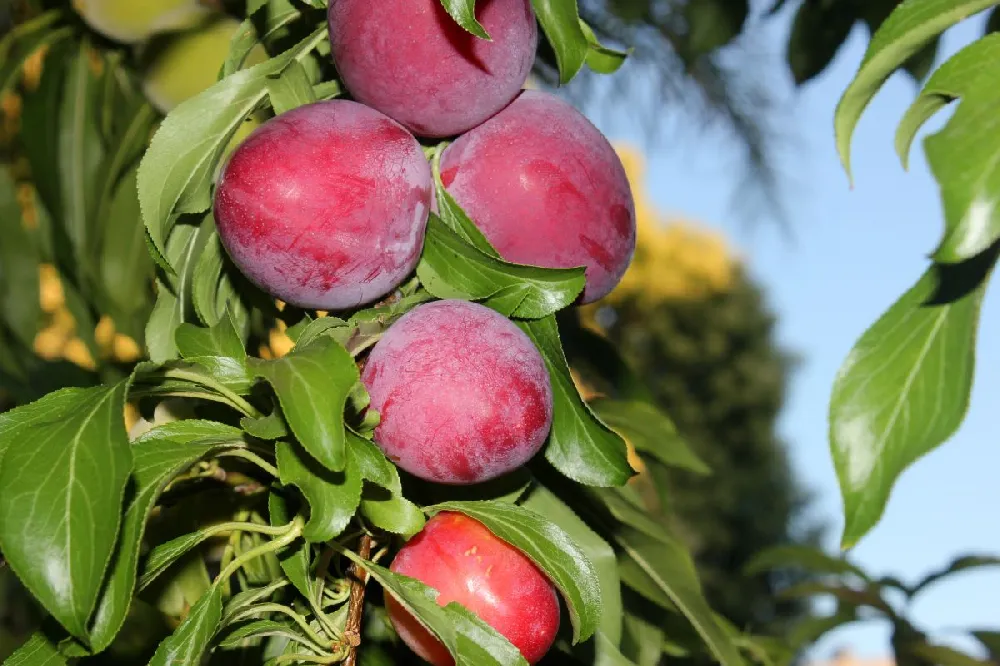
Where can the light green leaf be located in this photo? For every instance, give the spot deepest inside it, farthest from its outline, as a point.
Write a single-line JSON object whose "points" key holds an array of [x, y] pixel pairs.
{"points": [[470, 641], [580, 445], [650, 431], [952, 80], [904, 388], [382, 501], [333, 496], [451, 268], [262, 629], [560, 20], [600, 58], [455, 217], [38, 651], [62, 479], [290, 90], [464, 13], [813, 560], [909, 28], [550, 548], [218, 340], [160, 455], [176, 173], [187, 645], [312, 383]]}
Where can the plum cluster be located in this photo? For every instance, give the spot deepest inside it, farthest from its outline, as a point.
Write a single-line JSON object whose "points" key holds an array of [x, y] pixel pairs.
{"points": [[325, 207]]}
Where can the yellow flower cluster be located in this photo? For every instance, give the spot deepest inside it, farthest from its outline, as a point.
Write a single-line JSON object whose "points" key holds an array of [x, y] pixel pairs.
{"points": [[59, 339], [674, 259]]}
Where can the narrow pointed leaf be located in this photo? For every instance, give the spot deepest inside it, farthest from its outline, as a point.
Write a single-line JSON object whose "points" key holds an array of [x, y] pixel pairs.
{"points": [[560, 20], [960, 564], [464, 13], [188, 644], [814, 560], [38, 651]]}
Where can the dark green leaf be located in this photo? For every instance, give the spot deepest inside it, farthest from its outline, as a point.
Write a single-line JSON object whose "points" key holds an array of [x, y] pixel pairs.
{"points": [[810, 629], [38, 651], [451, 268], [907, 30], [551, 549], [217, 286], [960, 564], [990, 640], [471, 641], [813, 560], [268, 427], [849, 597], [62, 480], [262, 629], [904, 388], [650, 431], [993, 23], [312, 383], [580, 446], [294, 558], [126, 269], [19, 287], [159, 455], [290, 90], [188, 644], [942, 655], [560, 20], [820, 28], [24, 40], [177, 170], [218, 340], [714, 23], [956, 77], [333, 496]]}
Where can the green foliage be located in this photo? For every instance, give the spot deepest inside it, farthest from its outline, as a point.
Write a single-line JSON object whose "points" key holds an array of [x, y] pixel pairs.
{"points": [[886, 416]]}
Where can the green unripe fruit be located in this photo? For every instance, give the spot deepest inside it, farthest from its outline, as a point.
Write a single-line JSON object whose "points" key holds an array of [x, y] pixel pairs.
{"points": [[189, 63], [132, 21]]}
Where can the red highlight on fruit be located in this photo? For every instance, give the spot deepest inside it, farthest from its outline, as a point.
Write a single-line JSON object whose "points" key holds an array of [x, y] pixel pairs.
{"points": [[411, 61], [463, 394], [547, 189], [325, 206], [466, 563]]}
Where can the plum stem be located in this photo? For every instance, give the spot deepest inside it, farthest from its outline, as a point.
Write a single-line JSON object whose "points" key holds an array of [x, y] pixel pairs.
{"points": [[355, 608]]}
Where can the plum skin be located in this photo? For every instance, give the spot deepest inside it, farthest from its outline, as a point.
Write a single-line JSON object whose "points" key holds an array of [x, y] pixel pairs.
{"points": [[466, 563], [325, 206], [463, 394], [411, 61], [547, 189]]}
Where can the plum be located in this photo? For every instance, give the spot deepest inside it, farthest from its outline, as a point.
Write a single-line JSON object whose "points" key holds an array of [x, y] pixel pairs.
{"points": [[466, 563], [547, 189], [325, 206], [463, 394], [133, 21], [411, 61]]}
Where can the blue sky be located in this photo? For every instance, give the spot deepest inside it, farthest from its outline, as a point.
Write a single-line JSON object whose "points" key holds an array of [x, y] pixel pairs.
{"points": [[853, 253]]}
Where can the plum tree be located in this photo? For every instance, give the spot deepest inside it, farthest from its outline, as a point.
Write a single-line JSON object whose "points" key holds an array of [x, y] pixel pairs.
{"points": [[463, 394], [465, 562], [130, 21], [189, 62], [410, 60], [325, 206], [546, 188]]}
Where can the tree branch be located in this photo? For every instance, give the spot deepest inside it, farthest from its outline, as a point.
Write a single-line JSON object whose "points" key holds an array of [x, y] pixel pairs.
{"points": [[356, 605]]}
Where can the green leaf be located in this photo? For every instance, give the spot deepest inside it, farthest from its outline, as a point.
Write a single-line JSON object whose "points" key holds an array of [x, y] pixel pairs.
{"points": [[62, 480], [38, 651], [960, 564], [993, 22], [670, 567], [990, 640], [955, 78], [382, 501], [268, 427], [312, 383], [455, 217], [942, 655], [126, 269], [560, 20], [714, 23], [188, 644], [964, 158], [550, 548], [261, 629], [847, 596], [176, 173], [290, 90], [173, 301], [24, 40], [904, 388], [19, 285], [159, 455], [294, 558], [544, 502], [333, 496], [819, 30], [580, 446], [650, 431], [163, 556], [218, 340], [217, 286], [810, 629], [470, 641], [908, 29], [600, 58], [809, 558], [451, 268], [464, 13]]}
